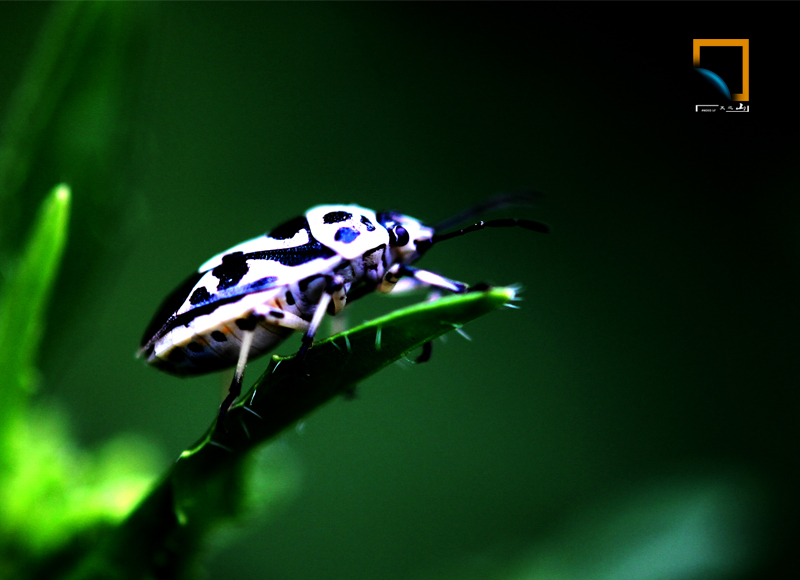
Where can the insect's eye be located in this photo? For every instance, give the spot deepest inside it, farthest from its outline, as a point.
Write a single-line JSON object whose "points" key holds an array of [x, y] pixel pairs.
{"points": [[398, 236]]}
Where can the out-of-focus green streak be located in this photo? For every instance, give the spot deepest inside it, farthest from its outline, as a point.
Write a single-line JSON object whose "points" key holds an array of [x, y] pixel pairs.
{"points": [[23, 304], [55, 495], [65, 119]]}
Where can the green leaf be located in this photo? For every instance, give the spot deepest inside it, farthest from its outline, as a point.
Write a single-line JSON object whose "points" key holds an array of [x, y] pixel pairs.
{"points": [[23, 304], [210, 483]]}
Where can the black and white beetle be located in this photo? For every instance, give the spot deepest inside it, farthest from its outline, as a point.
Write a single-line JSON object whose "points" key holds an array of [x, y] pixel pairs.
{"points": [[243, 302]]}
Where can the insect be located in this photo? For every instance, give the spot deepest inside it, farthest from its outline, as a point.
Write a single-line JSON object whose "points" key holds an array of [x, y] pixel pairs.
{"points": [[243, 302]]}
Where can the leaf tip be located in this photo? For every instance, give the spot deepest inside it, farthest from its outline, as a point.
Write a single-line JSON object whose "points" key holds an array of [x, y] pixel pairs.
{"points": [[507, 292], [62, 193], [502, 295]]}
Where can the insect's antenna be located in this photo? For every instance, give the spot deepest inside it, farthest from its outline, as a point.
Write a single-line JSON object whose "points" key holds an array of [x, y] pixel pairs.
{"points": [[523, 197], [501, 223]]}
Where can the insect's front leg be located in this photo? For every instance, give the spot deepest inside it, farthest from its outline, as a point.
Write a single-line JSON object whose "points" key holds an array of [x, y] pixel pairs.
{"points": [[400, 279], [414, 279]]}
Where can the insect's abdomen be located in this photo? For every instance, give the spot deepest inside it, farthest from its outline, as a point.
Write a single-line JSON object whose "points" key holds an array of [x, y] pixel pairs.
{"points": [[212, 341], [214, 350], [203, 338]]}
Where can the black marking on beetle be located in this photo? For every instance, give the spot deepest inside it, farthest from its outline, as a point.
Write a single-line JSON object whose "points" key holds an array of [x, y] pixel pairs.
{"points": [[346, 235], [289, 229], [166, 318], [303, 284], [276, 314], [248, 323], [296, 255], [289, 298], [185, 318], [381, 249], [195, 346], [366, 222], [335, 217], [231, 270], [177, 355], [199, 296], [219, 336], [260, 284]]}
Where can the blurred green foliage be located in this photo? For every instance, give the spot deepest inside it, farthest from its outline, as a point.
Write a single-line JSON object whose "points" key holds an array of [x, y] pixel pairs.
{"points": [[54, 494], [56, 497], [635, 419], [25, 296]]}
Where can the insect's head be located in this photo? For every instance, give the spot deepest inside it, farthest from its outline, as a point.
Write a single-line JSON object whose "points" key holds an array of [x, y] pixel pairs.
{"points": [[408, 237]]}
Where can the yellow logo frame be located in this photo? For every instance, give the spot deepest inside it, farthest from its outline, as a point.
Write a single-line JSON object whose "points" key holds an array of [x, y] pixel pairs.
{"points": [[745, 44]]}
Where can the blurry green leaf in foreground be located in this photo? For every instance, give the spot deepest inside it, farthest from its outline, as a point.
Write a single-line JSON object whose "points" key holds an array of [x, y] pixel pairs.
{"points": [[213, 482], [53, 490], [55, 496], [23, 301]]}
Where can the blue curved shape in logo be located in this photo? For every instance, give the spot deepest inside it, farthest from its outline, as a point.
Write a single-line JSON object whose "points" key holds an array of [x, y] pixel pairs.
{"points": [[715, 80]]}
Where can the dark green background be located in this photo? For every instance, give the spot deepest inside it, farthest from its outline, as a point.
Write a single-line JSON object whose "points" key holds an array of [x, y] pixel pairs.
{"points": [[637, 418]]}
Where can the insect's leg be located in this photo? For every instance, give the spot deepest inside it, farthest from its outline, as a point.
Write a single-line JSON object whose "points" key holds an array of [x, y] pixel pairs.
{"points": [[425, 355], [409, 279], [479, 287], [426, 278], [401, 278], [280, 317], [236, 384], [333, 287]]}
